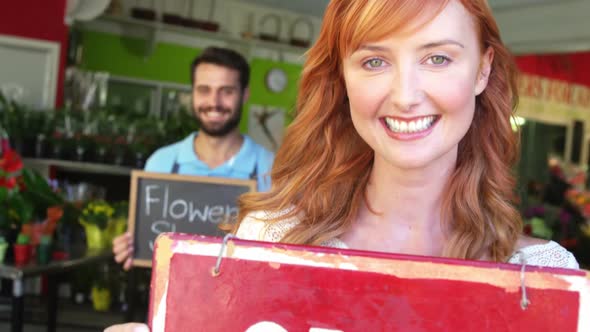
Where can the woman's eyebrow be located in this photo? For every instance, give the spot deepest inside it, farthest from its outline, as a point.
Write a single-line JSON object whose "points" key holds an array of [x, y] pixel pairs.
{"points": [[441, 43], [433, 44]]}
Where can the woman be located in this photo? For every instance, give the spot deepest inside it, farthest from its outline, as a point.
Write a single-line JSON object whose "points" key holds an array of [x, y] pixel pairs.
{"points": [[402, 142]]}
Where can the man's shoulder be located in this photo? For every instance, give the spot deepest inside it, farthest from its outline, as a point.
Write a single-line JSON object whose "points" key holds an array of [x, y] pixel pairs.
{"points": [[163, 158], [262, 154]]}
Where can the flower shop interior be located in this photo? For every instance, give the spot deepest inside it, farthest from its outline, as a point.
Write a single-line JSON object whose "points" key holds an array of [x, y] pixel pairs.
{"points": [[89, 88]]}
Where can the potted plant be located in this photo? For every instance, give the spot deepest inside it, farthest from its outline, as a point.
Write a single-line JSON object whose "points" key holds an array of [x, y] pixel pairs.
{"points": [[35, 125], [44, 134], [178, 125], [22, 249], [25, 126], [103, 136], [102, 144], [95, 218], [120, 148], [45, 201], [118, 222], [82, 145], [141, 147], [14, 208], [101, 297], [14, 122], [44, 249], [101, 293], [63, 141], [70, 234], [57, 142]]}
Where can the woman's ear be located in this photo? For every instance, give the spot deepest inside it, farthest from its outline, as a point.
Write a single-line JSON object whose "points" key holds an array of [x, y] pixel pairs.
{"points": [[485, 69]]}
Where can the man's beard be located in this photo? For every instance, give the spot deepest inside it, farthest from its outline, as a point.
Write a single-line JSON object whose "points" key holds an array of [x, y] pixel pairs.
{"points": [[223, 129]]}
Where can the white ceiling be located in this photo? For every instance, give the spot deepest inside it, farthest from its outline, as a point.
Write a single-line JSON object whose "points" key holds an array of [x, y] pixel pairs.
{"points": [[316, 7], [309, 7]]}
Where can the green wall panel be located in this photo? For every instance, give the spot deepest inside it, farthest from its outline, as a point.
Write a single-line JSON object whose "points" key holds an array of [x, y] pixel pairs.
{"points": [[125, 56]]}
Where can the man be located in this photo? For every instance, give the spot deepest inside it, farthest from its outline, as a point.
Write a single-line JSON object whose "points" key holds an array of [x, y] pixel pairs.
{"points": [[220, 88]]}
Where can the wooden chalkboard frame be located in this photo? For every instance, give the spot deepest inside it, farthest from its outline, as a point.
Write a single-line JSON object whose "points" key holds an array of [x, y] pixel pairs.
{"points": [[136, 175]]}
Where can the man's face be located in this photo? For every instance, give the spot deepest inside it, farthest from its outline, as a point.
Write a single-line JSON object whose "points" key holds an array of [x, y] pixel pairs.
{"points": [[217, 98]]}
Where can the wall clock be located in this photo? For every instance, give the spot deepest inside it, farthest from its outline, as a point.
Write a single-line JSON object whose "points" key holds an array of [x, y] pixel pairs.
{"points": [[276, 80]]}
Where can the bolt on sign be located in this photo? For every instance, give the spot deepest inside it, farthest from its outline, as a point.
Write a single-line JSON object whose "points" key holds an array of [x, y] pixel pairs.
{"points": [[202, 283]]}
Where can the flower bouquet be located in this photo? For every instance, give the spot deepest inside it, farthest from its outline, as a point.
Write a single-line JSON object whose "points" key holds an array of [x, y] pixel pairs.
{"points": [[95, 218]]}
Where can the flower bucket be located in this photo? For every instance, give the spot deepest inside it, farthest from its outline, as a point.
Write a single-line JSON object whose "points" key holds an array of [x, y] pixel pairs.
{"points": [[101, 298], [95, 237], [22, 254]]}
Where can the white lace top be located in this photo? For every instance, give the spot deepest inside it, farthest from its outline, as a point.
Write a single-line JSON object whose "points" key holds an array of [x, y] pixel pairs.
{"points": [[549, 254]]}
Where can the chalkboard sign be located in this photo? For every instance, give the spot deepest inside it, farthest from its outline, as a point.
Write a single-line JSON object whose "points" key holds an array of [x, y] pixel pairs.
{"points": [[162, 202]]}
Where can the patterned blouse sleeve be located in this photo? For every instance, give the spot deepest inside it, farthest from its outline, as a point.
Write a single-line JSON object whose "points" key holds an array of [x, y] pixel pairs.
{"points": [[256, 226], [252, 227], [550, 254]]}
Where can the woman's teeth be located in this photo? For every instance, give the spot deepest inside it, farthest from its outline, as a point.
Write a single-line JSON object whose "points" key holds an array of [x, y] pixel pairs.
{"points": [[414, 126]]}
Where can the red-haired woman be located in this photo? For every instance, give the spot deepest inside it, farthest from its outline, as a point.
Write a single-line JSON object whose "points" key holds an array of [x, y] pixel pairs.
{"points": [[402, 141]]}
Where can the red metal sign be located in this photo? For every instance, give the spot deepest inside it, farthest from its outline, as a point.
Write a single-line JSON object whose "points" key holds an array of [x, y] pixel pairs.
{"points": [[275, 287]]}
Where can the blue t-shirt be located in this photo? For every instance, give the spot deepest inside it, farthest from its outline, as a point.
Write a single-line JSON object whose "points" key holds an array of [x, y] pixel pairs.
{"points": [[251, 162]]}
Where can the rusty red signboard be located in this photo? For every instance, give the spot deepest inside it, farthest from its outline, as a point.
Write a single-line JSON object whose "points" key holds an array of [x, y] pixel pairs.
{"points": [[201, 284]]}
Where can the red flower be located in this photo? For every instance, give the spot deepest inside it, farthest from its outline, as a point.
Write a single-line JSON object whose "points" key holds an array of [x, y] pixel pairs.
{"points": [[10, 165], [9, 183], [11, 162]]}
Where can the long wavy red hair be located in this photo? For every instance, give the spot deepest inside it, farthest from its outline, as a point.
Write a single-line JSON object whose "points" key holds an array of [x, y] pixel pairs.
{"points": [[322, 168]]}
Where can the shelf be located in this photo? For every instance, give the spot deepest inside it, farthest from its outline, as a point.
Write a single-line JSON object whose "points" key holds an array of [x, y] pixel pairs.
{"points": [[154, 29], [75, 166]]}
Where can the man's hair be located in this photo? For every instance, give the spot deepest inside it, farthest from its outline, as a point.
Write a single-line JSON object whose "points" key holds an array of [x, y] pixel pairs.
{"points": [[226, 58]]}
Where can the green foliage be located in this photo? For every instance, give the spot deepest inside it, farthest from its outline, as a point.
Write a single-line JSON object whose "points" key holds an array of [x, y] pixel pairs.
{"points": [[121, 209], [71, 214], [23, 122], [15, 210], [98, 213], [23, 239], [12, 117], [180, 124], [39, 194], [24, 193]]}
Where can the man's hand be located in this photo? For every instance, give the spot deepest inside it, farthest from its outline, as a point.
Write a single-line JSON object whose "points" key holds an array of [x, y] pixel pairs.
{"points": [[123, 248]]}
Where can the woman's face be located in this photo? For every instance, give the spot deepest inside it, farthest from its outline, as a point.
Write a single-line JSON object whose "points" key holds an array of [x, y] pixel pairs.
{"points": [[412, 94]]}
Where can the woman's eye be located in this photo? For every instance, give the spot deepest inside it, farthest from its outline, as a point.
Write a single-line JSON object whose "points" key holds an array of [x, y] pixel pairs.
{"points": [[438, 60], [374, 63]]}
